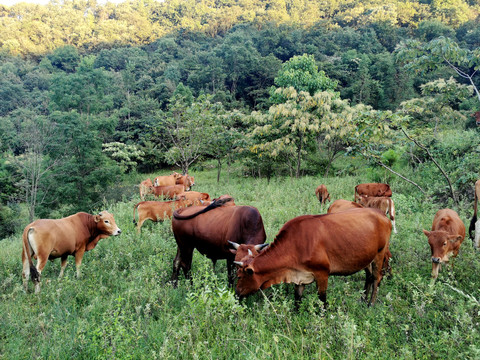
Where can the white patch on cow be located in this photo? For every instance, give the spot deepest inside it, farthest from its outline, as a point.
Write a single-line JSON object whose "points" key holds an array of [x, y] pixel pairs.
{"points": [[476, 240], [299, 277]]}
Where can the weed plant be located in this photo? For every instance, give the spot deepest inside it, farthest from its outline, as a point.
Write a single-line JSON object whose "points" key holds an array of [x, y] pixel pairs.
{"points": [[124, 307]]}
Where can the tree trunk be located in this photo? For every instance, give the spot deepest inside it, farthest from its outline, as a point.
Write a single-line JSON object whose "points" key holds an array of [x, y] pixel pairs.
{"points": [[219, 169]]}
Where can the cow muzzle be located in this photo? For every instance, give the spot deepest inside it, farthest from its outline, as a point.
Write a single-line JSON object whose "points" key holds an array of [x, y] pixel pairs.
{"points": [[436, 260]]}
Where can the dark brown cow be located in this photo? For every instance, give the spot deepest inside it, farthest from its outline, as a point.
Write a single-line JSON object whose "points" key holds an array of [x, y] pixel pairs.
{"points": [[209, 228], [448, 232], [372, 189], [168, 192], [195, 195], [48, 239], [145, 188], [158, 210], [312, 247], [166, 180], [475, 223], [342, 205], [322, 194], [382, 203]]}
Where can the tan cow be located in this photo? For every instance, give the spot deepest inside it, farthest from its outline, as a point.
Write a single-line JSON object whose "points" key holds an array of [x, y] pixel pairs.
{"points": [[166, 180], [475, 223], [322, 194], [168, 192], [372, 189], [186, 180], [342, 205], [448, 232], [145, 187], [476, 115], [48, 239], [194, 195], [383, 203], [158, 210]]}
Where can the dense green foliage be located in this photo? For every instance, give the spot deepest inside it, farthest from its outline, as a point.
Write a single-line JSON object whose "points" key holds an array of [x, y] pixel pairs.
{"points": [[123, 306]]}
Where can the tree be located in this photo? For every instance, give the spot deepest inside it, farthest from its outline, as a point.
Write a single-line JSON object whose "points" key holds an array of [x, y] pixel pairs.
{"points": [[186, 130], [439, 52]]}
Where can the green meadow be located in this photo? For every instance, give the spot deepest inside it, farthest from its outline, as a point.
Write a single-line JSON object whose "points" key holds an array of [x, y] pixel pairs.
{"points": [[124, 307]]}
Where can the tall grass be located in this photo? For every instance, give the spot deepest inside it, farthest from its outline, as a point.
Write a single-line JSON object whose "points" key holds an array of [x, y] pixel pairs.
{"points": [[124, 307]]}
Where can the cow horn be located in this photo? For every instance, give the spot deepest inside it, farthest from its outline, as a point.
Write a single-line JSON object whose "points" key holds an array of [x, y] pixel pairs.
{"points": [[250, 252], [260, 246], [233, 244], [239, 263]]}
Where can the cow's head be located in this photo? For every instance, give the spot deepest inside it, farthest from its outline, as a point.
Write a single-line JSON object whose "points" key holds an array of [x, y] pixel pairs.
{"points": [[243, 251], [106, 224], [442, 246]]}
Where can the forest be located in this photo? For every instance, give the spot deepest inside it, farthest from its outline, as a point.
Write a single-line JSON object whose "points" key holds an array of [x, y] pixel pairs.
{"points": [[285, 88], [260, 99]]}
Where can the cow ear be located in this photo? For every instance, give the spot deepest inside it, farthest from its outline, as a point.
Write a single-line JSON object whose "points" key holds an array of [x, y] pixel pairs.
{"points": [[426, 232], [97, 217], [249, 270]]}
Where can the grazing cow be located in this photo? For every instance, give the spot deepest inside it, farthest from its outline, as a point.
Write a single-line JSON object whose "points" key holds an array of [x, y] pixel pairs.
{"points": [[312, 247], [145, 188], [476, 115], [372, 189], [168, 192], [195, 195], [342, 205], [209, 228], [166, 180], [383, 203], [345, 205], [158, 210], [474, 223], [322, 194], [448, 232], [48, 239], [186, 180]]}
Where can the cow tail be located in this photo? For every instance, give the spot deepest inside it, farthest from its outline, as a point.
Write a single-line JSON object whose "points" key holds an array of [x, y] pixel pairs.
{"points": [[34, 274], [471, 228], [135, 208]]}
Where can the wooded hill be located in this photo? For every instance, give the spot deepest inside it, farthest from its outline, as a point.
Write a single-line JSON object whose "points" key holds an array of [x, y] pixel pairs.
{"points": [[90, 92]]}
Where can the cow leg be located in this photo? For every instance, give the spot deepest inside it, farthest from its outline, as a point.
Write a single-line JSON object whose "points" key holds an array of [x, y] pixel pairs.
{"points": [[322, 283], [183, 260], [63, 265], [298, 295], [376, 272], [78, 260], [369, 279], [41, 262], [230, 275]]}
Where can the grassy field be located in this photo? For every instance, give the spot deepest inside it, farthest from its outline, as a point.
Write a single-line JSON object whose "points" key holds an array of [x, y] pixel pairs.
{"points": [[123, 306]]}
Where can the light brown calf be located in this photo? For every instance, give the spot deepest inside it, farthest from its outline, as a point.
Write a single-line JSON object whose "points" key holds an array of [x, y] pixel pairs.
{"points": [[322, 194], [383, 203], [158, 210]]}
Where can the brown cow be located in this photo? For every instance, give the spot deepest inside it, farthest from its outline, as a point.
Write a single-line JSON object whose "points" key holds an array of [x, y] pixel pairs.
{"points": [[372, 189], [322, 194], [476, 115], [345, 205], [342, 205], [209, 228], [158, 210], [145, 188], [383, 203], [195, 195], [186, 180], [166, 180], [48, 239], [448, 232], [312, 247], [474, 223], [168, 192]]}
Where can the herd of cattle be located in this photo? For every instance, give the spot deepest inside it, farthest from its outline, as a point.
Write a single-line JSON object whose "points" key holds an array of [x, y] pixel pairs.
{"points": [[352, 236]]}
